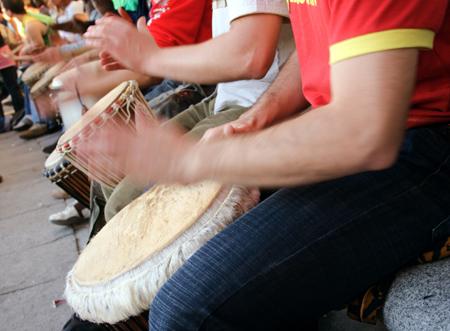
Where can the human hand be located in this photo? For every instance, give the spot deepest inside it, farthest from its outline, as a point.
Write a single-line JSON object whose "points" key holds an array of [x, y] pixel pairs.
{"points": [[121, 45], [49, 55], [151, 153], [250, 121]]}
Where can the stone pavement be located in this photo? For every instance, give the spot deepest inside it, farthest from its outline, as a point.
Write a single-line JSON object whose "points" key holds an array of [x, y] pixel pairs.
{"points": [[36, 255]]}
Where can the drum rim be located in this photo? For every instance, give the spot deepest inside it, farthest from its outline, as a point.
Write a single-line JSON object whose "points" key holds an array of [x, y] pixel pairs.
{"points": [[39, 69], [56, 161], [95, 111], [98, 303], [46, 79]]}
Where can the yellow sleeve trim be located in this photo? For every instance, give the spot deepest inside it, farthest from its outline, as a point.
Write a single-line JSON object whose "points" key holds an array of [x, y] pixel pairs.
{"points": [[381, 41]]}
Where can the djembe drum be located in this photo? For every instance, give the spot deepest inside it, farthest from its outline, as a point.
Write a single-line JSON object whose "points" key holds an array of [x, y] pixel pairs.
{"points": [[40, 92], [116, 109], [120, 271], [34, 72], [70, 179]]}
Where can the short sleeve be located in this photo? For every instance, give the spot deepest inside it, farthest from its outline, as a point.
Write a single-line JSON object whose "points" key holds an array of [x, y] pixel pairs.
{"points": [[241, 8], [358, 27], [179, 22]]}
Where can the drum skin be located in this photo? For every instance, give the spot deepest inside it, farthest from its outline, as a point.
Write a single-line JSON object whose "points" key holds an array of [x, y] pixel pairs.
{"points": [[145, 243], [34, 73], [116, 109]]}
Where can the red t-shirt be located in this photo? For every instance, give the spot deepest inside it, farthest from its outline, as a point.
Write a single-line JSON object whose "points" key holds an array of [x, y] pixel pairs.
{"points": [[180, 22], [329, 31]]}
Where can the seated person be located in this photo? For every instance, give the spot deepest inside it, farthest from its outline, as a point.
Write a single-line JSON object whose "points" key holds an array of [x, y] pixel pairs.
{"points": [[165, 28], [363, 175], [249, 34]]}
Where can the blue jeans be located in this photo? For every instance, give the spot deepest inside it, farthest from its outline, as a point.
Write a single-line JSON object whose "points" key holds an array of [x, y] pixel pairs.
{"points": [[307, 250]]}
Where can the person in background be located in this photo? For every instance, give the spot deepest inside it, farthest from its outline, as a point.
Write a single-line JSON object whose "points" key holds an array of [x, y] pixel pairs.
{"points": [[8, 71]]}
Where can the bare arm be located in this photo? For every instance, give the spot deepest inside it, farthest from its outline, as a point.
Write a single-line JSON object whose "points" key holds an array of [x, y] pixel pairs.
{"points": [[245, 52], [34, 32], [361, 129], [276, 104]]}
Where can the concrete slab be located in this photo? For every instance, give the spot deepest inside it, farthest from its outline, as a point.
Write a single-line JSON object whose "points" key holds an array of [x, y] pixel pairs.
{"points": [[37, 265], [24, 198], [31, 309], [31, 230]]}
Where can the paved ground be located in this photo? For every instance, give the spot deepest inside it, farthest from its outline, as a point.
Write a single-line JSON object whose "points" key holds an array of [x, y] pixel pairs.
{"points": [[35, 255]]}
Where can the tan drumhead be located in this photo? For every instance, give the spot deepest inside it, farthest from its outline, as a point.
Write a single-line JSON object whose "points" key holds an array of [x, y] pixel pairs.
{"points": [[43, 83], [103, 104], [53, 160], [34, 72], [142, 229]]}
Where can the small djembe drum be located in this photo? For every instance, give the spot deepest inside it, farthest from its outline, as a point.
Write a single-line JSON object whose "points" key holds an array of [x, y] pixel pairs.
{"points": [[120, 271], [41, 94], [118, 108], [70, 179], [34, 72]]}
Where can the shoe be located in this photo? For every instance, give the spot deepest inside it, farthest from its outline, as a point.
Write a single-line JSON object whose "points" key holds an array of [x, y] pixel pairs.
{"points": [[7, 101], [25, 123], [54, 127], [73, 214], [77, 324], [37, 130], [50, 148], [60, 194], [18, 115]]}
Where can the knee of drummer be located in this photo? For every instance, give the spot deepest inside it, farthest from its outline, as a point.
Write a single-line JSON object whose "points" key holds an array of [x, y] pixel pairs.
{"points": [[175, 310]]}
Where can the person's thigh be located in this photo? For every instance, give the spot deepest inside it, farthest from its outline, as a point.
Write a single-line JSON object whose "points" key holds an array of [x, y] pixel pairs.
{"points": [[307, 250], [190, 117], [124, 193], [225, 116]]}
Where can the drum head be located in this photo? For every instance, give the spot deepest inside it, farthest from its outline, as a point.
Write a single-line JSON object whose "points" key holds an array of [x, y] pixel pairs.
{"points": [[53, 160], [142, 229], [43, 83], [102, 105], [34, 72], [120, 271]]}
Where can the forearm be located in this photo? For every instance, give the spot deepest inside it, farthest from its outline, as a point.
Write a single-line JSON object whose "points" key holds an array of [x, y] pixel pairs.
{"points": [[242, 53], [316, 146], [284, 97]]}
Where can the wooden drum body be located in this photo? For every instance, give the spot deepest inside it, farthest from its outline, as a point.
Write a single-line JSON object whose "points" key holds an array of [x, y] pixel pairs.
{"points": [[70, 179]]}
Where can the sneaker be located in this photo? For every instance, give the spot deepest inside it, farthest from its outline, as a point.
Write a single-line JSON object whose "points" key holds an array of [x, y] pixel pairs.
{"points": [[77, 324], [37, 130], [73, 214], [25, 123]]}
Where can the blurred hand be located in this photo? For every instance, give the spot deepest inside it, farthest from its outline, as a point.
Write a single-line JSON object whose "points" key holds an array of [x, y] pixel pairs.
{"points": [[49, 55], [250, 121], [79, 60], [154, 153], [121, 45]]}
